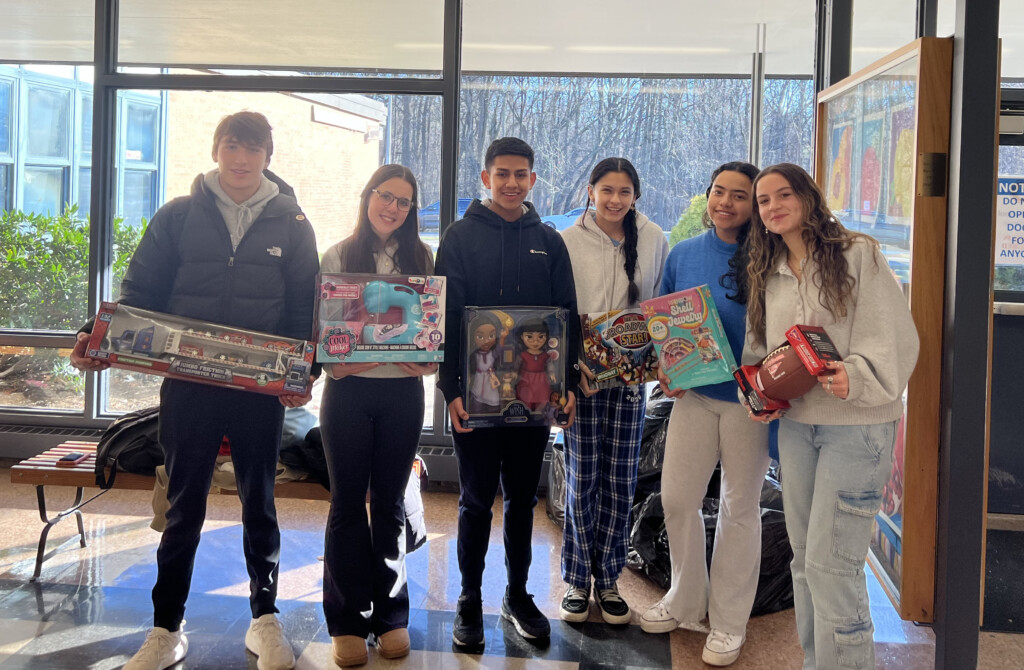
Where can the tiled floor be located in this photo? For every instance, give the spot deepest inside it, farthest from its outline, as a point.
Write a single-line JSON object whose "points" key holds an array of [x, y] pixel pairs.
{"points": [[91, 607]]}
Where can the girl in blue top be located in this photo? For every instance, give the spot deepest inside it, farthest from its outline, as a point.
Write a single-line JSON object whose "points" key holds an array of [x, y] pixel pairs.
{"points": [[709, 425]]}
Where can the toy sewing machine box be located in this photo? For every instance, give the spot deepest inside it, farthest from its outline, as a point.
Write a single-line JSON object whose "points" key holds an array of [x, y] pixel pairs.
{"points": [[513, 368], [380, 318], [176, 346], [618, 348], [689, 338]]}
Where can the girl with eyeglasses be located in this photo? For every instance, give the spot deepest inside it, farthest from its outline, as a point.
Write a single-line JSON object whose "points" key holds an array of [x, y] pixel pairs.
{"points": [[371, 417], [835, 442]]}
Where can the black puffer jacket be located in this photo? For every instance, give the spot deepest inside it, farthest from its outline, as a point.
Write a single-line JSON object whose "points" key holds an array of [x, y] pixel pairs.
{"points": [[184, 265]]}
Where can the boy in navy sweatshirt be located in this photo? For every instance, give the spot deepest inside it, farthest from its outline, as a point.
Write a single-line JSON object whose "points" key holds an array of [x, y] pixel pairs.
{"points": [[500, 254]]}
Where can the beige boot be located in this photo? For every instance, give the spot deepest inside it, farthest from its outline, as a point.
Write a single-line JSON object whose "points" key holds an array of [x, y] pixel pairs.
{"points": [[394, 643], [348, 650]]}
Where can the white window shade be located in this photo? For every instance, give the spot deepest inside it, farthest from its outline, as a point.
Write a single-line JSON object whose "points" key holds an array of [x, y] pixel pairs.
{"points": [[354, 35], [647, 37], [46, 31]]}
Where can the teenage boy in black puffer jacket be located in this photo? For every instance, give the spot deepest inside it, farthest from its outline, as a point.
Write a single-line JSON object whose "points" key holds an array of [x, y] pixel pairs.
{"points": [[501, 254], [237, 252]]}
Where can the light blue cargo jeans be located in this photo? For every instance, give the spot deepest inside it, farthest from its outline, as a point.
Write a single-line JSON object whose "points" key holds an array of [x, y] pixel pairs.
{"points": [[832, 479]]}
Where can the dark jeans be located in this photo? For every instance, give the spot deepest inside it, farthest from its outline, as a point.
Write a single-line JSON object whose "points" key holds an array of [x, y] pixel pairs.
{"points": [[193, 420], [371, 428], [486, 456]]}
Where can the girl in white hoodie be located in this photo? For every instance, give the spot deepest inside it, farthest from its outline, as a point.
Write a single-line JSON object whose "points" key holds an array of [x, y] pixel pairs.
{"points": [[617, 258]]}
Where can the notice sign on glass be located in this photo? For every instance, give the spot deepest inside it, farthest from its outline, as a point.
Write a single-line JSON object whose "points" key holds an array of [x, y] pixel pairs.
{"points": [[1010, 221]]}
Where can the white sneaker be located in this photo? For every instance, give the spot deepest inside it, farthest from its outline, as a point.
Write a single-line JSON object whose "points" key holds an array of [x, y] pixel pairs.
{"points": [[162, 649], [722, 648], [657, 619], [266, 639]]}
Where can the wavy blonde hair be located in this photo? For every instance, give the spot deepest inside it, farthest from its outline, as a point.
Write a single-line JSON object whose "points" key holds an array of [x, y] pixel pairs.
{"points": [[824, 237]]}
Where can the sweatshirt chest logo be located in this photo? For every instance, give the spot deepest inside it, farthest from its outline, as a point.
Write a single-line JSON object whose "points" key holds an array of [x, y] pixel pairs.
{"points": [[274, 251], [538, 251]]}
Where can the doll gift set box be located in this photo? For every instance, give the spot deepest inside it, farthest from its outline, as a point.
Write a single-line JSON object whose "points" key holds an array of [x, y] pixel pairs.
{"points": [[513, 366], [182, 348], [380, 318], [689, 339], [618, 348]]}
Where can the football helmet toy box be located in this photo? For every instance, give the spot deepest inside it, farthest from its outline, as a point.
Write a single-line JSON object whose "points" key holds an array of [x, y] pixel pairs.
{"points": [[689, 338], [618, 348], [198, 351], [514, 366], [380, 318]]}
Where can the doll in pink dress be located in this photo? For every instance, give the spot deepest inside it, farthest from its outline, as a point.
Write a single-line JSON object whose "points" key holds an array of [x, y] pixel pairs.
{"points": [[536, 367]]}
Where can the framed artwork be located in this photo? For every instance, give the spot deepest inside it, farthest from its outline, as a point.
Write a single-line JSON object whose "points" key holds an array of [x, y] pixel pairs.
{"points": [[880, 156]]}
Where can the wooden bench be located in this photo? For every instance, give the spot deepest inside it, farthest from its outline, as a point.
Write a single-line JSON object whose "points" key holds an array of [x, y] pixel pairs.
{"points": [[42, 471]]}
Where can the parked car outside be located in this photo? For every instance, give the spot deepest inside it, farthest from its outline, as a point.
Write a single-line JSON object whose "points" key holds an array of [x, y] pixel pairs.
{"points": [[430, 216], [563, 221]]}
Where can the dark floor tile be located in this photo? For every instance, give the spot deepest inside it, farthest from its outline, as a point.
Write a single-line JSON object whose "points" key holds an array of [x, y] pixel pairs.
{"points": [[623, 646], [564, 644], [97, 647]]}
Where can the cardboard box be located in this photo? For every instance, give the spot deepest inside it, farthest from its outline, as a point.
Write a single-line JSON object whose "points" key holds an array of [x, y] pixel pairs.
{"points": [[814, 347], [618, 349], [513, 366], [182, 348], [760, 404], [380, 318], [689, 339]]}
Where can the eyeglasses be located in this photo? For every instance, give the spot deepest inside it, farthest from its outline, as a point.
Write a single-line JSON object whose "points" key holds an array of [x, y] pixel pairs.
{"points": [[387, 197]]}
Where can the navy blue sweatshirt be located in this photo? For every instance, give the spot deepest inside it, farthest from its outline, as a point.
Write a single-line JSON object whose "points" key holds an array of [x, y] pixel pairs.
{"points": [[490, 262]]}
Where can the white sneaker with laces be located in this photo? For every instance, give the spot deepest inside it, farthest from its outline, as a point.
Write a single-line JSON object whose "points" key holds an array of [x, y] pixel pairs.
{"points": [[722, 648], [657, 619], [162, 649], [266, 639]]}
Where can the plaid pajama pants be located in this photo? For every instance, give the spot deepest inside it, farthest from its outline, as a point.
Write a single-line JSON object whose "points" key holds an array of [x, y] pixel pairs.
{"points": [[602, 449]]}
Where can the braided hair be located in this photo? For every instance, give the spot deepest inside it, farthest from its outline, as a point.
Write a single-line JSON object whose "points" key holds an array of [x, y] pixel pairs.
{"points": [[629, 222]]}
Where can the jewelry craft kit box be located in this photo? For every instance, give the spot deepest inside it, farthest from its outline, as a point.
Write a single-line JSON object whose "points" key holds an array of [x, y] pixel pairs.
{"points": [[380, 318], [618, 349], [514, 366], [688, 338], [175, 346]]}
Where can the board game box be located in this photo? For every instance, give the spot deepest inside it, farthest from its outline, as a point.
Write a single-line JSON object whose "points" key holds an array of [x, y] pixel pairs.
{"points": [[618, 349]]}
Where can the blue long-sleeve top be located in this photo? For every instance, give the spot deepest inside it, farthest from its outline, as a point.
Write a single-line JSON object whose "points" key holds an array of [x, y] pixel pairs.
{"points": [[704, 260]]}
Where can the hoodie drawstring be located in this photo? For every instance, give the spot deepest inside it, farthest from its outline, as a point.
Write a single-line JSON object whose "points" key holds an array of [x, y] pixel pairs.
{"points": [[519, 256], [501, 276]]}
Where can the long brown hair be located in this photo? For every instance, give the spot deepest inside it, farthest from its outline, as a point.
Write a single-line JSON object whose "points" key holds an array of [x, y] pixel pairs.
{"points": [[824, 237], [411, 256], [629, 228]]}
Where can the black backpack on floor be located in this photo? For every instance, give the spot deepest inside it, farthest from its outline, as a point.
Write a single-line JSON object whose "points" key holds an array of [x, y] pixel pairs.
{"points": [[130, 444]]}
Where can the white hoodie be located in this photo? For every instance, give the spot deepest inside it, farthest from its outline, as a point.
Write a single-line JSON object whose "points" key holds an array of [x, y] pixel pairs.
{"points": [[598, 265]]}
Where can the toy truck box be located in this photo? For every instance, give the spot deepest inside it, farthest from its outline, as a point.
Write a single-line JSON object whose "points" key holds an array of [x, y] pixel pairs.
{"points": [[618, 349], [175, 346], [513, 367], [380, 318], [688, 338]]}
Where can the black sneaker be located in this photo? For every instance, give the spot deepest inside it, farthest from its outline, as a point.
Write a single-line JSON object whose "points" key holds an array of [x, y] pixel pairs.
{"points": [[524, 615], [575, 605], [613, 608], [468, 630]]}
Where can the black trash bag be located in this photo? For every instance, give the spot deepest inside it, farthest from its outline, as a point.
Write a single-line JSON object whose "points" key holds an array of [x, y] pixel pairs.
{"points": [[554, 502], [652, 445], [775, 582], [771, 488], [648, 542], [308, 456]]}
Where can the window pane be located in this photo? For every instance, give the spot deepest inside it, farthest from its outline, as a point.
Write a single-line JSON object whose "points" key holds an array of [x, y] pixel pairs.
{"points": [[40, 377], [85, 128], [5, 116], [58, 31], [140, 142], [138, 196], [675, 131], [84, 192], [43, 272], [47, 122], [44, 190], [788, 122], [325, 148], [5, 187], [879, 28], [659, 37], [349, 35]]}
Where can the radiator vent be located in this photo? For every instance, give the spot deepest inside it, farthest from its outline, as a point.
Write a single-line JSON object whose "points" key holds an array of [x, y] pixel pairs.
{"points": [[26, 441]]}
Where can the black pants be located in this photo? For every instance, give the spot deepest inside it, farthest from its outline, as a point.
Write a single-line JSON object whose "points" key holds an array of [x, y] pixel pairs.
{"points": [[193, 420], [371, 428], [486, 456]]}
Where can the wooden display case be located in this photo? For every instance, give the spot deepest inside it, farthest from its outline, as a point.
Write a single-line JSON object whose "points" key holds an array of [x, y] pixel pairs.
{"points": [[881, 158]]}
